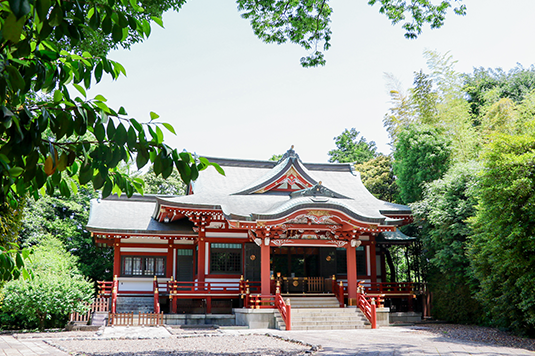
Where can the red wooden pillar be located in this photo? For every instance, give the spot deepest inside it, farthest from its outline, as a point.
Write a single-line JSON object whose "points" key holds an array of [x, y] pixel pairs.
{"points": [[373, 262], [117, 258], [265, 274], [170, 259], [351, 271], [201, 254]]}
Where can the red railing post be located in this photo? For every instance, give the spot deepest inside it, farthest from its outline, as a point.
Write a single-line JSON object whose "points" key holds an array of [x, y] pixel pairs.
{"points": [[374, 314], [114, 294], [288, 320], [156, 296]]}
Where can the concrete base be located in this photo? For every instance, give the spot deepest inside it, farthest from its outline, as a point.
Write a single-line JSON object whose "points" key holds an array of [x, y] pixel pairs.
{"points": [[255, 318], [405, 317], [383, 316], [199, 319]]}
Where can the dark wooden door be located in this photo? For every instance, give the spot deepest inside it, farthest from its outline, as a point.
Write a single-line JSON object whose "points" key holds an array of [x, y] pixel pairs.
{"points": [[252, 262]]}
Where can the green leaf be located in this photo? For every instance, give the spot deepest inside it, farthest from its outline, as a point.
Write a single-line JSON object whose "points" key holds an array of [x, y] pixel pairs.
{"points": [[146, 28], [58, 96], [80, 89], [12, 28], [131, 138], [159, 134], [169, 127], [16, 171], [86, 173], [153, 116], [20, 8], [98, 72], [218, 168], [158, 20], [100, 98], [120, 135], [15, 78], [142, 158], [100, 132], [116, 35], [106, 190]]}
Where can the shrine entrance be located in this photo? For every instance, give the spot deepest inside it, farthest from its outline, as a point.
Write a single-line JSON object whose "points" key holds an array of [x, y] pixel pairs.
{"points": [[304, 269]]}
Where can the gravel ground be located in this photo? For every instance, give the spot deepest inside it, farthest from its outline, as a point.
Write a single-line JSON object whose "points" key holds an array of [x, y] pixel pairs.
{"points": [[214, 342], [478, 334], [197, 345]]}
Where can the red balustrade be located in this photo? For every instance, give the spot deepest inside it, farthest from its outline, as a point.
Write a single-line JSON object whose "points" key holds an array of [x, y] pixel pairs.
{"points": [[338, 290], [285, 309], [368, 309]]}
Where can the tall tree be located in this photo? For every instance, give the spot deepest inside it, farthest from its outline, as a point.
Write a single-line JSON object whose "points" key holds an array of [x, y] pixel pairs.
{"points": [[502, 253], [350, 150], [442, 214], [421, 155], [377, 175], [65, 219]]}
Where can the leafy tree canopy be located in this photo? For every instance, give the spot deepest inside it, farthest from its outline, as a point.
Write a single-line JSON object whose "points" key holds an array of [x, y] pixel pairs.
{"points": [[171, 185], [421, 155], [378, 177], [51, 139], [487, 86], [307, 22], [350, 150]]}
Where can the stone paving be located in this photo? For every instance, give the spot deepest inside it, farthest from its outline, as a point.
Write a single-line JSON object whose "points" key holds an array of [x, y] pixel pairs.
{"points": [[388, 341], [9, 346]]}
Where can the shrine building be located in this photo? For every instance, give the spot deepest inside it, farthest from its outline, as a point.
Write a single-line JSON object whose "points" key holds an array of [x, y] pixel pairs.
{"points": [[286, 227]]}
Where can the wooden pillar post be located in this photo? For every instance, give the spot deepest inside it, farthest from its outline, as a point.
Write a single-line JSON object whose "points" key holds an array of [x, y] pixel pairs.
{"points": [[351, 272], [117, 258], [201, 253], [170, 254], [373, 261], [265, 274]]}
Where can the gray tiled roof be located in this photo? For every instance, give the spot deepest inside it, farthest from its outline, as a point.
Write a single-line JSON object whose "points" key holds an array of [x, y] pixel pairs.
{"points": [[232, 194], [213, 190], [132, 215]]}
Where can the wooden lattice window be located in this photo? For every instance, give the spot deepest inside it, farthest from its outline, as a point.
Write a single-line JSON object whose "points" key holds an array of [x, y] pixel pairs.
{"points": [[142, 266], [225, 258]]}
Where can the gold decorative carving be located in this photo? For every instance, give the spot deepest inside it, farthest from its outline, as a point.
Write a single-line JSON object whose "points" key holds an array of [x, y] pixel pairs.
{"points": [[328, 258], [318, 212], [295, 283], [253, 257]]}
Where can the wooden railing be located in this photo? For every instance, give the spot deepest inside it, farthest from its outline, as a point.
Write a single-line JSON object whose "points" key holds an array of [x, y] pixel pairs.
{"points": [[150, 319], [121, 319], [98, 305], [285, 309], [402, 288], [104, 289], [258, 301], [368, 309], [338, 290]]}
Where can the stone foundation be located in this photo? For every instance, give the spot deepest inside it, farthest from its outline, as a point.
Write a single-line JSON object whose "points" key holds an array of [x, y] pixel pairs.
{"points": [[405, 317], [199, 319], [255, 318]]}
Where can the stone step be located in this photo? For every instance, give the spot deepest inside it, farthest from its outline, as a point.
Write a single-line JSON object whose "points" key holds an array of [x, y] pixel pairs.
{"points": [[314, 302], [99, 319], [328, 319]]}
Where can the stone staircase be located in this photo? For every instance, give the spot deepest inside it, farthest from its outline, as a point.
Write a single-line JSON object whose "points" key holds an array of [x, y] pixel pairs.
{"points": [[322, 313], [99, 318], [135, 304]]}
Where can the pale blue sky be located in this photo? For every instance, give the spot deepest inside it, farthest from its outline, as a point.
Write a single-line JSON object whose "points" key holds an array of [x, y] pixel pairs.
{"points": [[229, 95]]}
